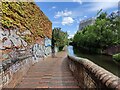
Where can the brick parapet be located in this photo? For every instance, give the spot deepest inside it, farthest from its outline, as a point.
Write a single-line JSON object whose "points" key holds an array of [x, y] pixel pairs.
{"points": [[90, 75]]}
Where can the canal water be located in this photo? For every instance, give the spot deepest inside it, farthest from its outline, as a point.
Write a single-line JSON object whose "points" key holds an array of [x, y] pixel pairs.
{"points": [[102, 60]]}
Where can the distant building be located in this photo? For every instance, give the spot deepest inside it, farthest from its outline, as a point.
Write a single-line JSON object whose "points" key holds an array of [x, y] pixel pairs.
{"points": [[86, 22], [114, 14]]}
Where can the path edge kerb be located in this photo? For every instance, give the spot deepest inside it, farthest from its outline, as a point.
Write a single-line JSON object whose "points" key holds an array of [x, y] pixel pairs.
{"points": [[107, 78]]}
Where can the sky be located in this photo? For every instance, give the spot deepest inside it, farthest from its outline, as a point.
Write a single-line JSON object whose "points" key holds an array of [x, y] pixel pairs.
{"points": [[68, 14]]}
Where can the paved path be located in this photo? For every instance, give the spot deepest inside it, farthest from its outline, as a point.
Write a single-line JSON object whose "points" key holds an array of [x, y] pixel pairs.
{"points": [[49, 73]]}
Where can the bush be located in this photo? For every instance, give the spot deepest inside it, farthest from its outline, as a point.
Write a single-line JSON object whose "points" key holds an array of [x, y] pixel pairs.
{"points": [[117, 57]]}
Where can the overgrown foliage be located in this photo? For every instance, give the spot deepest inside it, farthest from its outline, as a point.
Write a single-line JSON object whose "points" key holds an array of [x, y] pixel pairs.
{"points": [[59, 38], [26, 16], [103, 33], [117, 57]]}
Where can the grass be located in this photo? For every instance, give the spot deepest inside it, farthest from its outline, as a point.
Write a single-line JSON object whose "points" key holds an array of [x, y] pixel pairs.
{"points": [[117, 57]]}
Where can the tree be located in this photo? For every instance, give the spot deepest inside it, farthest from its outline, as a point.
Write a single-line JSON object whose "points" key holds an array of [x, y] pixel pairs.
{"points": [[59, 38], [103, 33]]}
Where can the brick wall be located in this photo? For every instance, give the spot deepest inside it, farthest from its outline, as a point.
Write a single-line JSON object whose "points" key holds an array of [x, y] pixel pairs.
{"points": [[112, 50], [92, 76], [28, 26]]}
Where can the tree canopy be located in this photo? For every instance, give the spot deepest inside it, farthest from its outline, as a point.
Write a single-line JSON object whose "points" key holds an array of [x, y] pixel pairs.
{"points": [[59, 38], [103, 33]]}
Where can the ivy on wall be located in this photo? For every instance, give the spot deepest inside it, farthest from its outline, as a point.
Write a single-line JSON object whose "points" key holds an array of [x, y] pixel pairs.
{"points": [[26, 16]]}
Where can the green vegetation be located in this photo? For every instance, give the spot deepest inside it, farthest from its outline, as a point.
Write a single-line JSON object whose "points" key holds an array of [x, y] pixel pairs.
{"points": [[103, 33], [117, 57], [27, 38], [70, 39], [59, 38], [25, 16]]}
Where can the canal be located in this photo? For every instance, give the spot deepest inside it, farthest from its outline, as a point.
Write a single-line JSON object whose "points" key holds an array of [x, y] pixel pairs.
{"points": [[102, 60]]}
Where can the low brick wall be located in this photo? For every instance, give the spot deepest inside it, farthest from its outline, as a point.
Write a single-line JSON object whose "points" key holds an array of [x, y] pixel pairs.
{"points": [[12, 74], [90, 75], [112, 50]]}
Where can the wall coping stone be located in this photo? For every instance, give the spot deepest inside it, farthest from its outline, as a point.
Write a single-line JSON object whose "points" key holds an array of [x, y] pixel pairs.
{"points": [[106, 77]]}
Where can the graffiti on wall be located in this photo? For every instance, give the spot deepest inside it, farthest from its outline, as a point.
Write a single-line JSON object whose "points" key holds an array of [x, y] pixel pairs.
{"points": [[12, 47], [47, 42]]}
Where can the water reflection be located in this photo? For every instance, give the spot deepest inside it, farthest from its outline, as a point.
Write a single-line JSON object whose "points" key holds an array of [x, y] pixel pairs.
{"points": [[102, 60]]}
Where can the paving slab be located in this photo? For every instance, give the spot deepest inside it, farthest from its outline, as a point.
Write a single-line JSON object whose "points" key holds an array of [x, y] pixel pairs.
{"points": [[49, 73]]}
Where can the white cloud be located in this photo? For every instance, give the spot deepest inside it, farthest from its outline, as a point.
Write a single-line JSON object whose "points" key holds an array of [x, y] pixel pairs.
{"points": [[85, 16], [102, 5], [70, 36], [101, 0], [63, 13], [79, 1], [53, 7], [92, 7], [73, 0], [67, 20], [66, 17], [68, 31]]}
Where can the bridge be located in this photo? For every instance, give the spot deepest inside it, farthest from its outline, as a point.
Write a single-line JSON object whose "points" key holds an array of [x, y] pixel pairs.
{"points": [[62, 71]]}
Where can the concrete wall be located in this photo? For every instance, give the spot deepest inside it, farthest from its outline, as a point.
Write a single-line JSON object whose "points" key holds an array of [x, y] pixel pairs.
{"points": [[91, 76], [86, 22]]}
